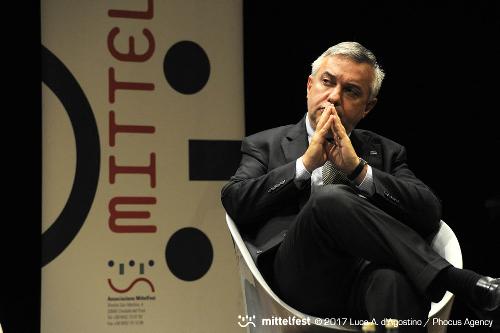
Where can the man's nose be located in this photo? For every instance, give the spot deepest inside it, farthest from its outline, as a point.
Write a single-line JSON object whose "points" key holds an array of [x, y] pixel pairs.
{"points": [[334, 96]]}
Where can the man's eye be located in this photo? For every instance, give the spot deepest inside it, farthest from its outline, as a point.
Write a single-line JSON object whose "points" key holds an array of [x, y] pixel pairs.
{"points": [[353, 92], [326, 81]]}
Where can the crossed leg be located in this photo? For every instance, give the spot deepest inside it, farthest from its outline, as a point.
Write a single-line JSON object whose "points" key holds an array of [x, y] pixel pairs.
{"points": [[319, 267]]}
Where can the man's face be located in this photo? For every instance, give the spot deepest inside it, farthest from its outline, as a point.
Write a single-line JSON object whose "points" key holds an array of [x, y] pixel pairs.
{"points": [[344, 83]]}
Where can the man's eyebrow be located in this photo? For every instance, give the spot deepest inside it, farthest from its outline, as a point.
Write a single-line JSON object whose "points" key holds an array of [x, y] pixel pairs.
{"points": [[327, 73]]}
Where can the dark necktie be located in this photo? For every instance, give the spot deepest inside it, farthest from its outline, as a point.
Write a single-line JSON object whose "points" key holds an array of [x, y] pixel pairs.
{"points": [[332, 175]]}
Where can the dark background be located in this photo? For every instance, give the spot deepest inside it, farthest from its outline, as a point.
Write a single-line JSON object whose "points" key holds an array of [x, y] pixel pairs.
{"points": [[20, 222], [439, 97]]}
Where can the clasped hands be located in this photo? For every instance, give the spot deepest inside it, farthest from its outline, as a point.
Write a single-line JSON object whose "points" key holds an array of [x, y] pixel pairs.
{"points": [[338, 150]]}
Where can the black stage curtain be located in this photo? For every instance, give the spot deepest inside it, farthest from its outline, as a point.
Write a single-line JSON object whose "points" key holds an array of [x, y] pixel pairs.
{"points": [[439, 98]]}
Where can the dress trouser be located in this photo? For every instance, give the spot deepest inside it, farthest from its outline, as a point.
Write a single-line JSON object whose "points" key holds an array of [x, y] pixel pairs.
{"points": [[343, 256]]}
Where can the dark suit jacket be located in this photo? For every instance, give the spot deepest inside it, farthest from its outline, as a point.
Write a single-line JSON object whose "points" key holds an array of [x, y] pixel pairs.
{"points": [[263, 199]]}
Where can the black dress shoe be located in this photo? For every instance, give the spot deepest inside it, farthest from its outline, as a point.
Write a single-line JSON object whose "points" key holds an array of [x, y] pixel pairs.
{"points": [[487, 293]]}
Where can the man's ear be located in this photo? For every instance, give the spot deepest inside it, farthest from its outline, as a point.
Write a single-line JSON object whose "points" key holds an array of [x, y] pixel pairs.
{"points": [[369, 106], [309, 84]]}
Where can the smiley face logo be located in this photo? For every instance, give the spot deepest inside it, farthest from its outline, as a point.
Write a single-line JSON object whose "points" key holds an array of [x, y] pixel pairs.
{"points": [[131, 265]]}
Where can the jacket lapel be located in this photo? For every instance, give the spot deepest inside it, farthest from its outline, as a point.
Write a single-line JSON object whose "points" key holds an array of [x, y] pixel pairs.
{"points": [[367, 149], [295, 142]]}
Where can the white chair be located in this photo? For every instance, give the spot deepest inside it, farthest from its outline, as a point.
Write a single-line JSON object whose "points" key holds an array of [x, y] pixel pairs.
{"points": [[261, 302]]}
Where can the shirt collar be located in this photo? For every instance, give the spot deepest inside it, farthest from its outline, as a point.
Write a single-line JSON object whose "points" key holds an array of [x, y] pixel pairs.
{"points": [[310, 130]]}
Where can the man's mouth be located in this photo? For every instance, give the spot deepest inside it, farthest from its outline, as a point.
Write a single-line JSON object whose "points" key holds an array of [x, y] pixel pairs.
{"points": [[322, 107]]}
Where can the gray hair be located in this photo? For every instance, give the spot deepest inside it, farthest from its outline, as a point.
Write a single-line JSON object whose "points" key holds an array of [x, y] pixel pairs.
{"points": [[357, 53]]}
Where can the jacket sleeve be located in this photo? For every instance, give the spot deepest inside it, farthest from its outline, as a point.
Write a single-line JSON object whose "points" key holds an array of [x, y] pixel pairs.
{"points": [[255, 193], [402, 195]]}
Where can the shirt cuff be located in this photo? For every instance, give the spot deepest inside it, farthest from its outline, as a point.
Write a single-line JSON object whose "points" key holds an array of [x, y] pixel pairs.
{"points": [[301, 173], [367, 183]]}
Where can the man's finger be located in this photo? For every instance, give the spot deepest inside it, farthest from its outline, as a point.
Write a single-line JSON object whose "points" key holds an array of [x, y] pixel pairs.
{"points": [[323, 131], [337, 127], [323, 118]]}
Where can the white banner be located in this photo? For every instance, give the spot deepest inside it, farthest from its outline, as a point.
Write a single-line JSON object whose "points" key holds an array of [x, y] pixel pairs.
{"points": [[132, 240]]}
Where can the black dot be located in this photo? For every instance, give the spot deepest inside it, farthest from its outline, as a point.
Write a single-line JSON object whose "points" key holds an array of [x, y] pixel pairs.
{"points": [[189, 254], [151, 263], [131, 263], [111, 263], [186, 67]]}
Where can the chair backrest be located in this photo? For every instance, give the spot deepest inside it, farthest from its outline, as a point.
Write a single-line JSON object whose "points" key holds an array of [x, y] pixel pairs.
{"points": [[262, 303], [445, 243]]}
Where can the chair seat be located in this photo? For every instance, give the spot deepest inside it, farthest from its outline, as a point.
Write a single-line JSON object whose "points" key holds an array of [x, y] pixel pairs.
{"points": [[262, 303]]}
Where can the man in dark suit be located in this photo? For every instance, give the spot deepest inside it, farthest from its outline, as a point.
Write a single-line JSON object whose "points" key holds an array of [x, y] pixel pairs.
{"points": [[345, 219]]}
